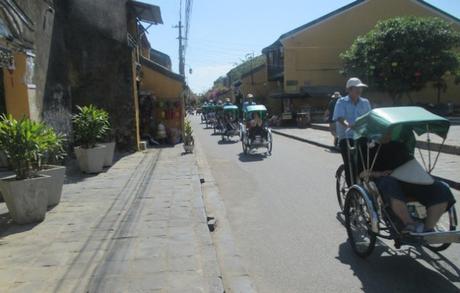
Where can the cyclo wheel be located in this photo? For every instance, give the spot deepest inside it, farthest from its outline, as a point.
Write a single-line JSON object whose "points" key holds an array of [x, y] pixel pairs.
{"points": [[270, 143], [446, 223], [341, 185], [243, 142], [358, 224]]}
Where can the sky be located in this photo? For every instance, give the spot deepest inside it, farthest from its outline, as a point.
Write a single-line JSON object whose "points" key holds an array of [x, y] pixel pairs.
{"points": [[223, 32]]}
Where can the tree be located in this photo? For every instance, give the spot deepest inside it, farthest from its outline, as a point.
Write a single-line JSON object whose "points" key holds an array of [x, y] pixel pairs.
{"points": [[402, 55]]}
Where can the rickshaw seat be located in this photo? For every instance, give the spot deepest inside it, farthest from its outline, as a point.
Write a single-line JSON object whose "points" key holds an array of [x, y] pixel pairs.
{"points": [[411, 198]]}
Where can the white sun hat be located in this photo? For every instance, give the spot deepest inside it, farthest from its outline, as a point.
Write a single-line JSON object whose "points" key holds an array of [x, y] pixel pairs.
{"points": [[355, 82], [412, 172]]}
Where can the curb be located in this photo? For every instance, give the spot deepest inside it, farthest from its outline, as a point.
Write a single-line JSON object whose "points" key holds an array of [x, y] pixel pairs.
{"points": [[446, 149], [235, 276], [452, 184], [304, 140]]}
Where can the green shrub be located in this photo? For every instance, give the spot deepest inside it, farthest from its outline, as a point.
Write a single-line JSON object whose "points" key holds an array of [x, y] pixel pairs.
{"points": [[26, 143], [90, 125]]}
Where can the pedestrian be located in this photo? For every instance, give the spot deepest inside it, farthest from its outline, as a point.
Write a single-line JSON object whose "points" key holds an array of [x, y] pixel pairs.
{"points": [[346, 111], [329, 114]]}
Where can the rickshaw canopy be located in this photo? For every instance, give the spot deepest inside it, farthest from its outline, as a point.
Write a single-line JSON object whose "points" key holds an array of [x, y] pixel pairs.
{"points": [[255, 108], [230, 108], [396, 121]]}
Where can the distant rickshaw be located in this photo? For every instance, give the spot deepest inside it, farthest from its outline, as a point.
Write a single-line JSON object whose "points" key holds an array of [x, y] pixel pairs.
{"points": [[230, 122], [218, 124], [254, 130], [204, 111], [211, 115]]}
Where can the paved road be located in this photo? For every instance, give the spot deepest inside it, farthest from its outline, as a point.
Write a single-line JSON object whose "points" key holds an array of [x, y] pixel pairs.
{"points": [[283, 214]]}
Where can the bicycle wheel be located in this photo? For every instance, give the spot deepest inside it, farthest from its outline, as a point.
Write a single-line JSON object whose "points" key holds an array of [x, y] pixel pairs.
{"points": [[358, 224], [341, 185]]}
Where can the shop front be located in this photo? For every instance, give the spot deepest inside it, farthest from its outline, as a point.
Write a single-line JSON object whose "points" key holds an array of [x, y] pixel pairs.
{"points": [[161, 103]]}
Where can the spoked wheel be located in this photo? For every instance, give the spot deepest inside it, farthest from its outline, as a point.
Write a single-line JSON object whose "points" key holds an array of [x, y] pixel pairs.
{"points": [[341, 185], [358, 224], [446, 223], [245, 148], [270, 143]]}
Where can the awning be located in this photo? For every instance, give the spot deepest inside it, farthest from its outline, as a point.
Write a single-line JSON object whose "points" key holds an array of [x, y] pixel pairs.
{"points": [[283, 95], [146, 12], [320, 91]]}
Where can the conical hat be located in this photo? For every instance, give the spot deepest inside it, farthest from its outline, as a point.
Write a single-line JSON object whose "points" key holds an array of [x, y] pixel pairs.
{"points": [[412, 172]]}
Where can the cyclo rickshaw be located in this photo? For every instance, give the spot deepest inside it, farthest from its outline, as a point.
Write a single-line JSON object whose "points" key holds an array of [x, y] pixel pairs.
{"points": [[218, 124], [230, 122], [255, 137], [367, 214], [211, 115], [204, 112]]}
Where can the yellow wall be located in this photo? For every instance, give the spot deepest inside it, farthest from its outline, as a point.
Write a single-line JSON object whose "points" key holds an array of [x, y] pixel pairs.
{"points": [[261, 88], [16, 91], [312, 56], [160, 85], [164, 88]]}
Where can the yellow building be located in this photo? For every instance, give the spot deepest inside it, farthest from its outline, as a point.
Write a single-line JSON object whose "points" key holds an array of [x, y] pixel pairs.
{"points": [[166, 90], [17, 55], [306, 60], [158, 92], [255, 82]]}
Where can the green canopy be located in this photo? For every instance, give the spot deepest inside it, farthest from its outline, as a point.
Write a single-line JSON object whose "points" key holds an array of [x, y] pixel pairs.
{"points": [[254, 108], [230, 108], [397, 121]]}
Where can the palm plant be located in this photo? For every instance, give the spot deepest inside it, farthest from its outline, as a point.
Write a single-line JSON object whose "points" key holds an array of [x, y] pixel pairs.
{"points": [[26, 143], [90, 125]]}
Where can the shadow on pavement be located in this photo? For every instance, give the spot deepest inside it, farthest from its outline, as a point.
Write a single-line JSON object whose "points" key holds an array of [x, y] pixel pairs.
{"points": [[228, 141], [409, 269], [251, 157], [9, 227], [387, 270]]}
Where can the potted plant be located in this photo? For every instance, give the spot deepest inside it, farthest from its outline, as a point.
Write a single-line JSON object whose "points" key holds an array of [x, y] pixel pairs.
{"points": [[109, 143], [25, 194], [90, 124], [51, 165], [189, 142]]}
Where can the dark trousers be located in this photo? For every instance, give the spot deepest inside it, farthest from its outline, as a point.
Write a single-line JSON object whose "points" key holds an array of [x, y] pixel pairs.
{"points": [[344, 151]]}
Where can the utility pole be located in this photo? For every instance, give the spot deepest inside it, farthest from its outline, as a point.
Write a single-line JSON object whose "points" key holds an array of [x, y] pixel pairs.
{"points": [[181, 49], [181, 46]]}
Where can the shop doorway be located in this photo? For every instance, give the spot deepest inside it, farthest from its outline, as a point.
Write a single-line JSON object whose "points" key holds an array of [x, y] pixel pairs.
{"points": [[2, 93]]}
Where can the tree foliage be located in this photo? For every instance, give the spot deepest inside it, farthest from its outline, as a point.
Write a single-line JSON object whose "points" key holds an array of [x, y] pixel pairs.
{"points": [[402, 55]]}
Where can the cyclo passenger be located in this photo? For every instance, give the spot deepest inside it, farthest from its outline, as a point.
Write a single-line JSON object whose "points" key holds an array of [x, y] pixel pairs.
{"points": [[398, 175], [230, 121], [256, 126]]}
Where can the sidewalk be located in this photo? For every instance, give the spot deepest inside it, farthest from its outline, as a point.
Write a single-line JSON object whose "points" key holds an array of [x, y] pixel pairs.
{"points": [[139, 227], [448, 166]]}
